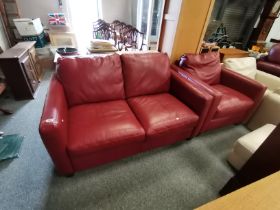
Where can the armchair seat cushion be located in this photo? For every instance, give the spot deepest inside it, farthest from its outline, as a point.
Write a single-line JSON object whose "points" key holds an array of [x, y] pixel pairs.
{"points": [[98, 126], [162, 113], [232, 102]]}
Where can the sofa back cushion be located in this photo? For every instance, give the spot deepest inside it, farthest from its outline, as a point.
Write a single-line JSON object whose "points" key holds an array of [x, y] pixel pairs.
{"points": [[88, 80], [147, 73], [205, 66], [274, 54], [246, 66]]}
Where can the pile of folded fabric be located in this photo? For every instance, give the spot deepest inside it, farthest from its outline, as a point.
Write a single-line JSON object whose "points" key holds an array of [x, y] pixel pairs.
{"points": [[99, 45]]}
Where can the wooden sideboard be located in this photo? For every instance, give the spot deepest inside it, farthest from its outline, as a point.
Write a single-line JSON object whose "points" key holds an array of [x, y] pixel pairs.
{"points": [[21, 68]]}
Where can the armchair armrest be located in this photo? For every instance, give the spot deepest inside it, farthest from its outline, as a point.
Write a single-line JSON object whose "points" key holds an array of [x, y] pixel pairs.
{"points": [[53, 127], [267, 112], [245, 85], [196, 99], [262, 58], [200, 84], [216, 95], [271, 81]]}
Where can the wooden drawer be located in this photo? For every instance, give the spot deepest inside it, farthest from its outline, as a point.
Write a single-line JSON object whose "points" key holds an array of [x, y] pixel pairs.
{"points": [[30, 71], [36, 63]]}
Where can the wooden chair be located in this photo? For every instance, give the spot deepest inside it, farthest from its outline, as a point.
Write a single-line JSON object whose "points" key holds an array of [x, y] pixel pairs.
{"points": [[133, 39], [103, 30]]}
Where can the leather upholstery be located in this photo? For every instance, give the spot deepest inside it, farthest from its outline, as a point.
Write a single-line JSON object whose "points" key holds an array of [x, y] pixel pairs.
{"points": [[184, 88], [274, 54], [246, 66], [271, 62], [267, 112], [205, 66], [95, 124], [271, 68], [145, 73], [53, 127], [232, 102], [162, 113], [235, 97], [98, 126], [246, 145], [88, 80]]}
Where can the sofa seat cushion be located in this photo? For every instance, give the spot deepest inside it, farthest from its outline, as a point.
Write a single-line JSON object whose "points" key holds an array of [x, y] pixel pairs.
{"points": [[102, 125], [162, 113], [90, 80], [232, 102]]}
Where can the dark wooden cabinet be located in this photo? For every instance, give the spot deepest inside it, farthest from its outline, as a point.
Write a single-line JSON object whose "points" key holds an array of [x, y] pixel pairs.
{"points": [[21, 68]]}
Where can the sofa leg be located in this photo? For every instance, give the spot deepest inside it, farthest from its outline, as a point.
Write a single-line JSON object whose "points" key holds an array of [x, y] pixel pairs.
{"points": [[69, 175]]}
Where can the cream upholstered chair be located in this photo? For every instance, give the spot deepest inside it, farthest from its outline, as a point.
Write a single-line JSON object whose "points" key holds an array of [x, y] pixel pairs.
{"points": [[246, 145], [247, 66], [269, 109]]}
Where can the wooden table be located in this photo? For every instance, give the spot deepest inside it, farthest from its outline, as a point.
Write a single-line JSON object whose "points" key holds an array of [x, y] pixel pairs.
{"points": [[263, 194], [232, 53]]}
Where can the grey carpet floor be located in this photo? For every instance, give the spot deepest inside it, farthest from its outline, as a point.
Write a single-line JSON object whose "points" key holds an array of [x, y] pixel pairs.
{"points": [[182, 176]]}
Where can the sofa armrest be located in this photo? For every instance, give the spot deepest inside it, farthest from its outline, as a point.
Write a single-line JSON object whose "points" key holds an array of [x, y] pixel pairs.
{"points": [[262, 58], [245, 85], [200, 84], [196, 99], [53, 127], [267, 112], [271, 81]]}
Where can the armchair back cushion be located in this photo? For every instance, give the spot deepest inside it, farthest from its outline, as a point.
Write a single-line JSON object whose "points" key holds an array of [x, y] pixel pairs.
{"points": [[246, 66], [145, 74], [274, 54], [88, 80], [205, 66]]}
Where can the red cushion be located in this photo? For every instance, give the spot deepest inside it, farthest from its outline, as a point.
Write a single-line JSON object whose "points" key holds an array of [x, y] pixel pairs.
{"points": [[232, 102], [88, 80], [145, 73], [205, 66], [162, 113], [102, 125]]}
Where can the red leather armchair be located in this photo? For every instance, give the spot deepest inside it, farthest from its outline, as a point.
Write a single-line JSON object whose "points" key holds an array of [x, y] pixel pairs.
{"points": [[102, 109], [235, 96], [271, 62]]}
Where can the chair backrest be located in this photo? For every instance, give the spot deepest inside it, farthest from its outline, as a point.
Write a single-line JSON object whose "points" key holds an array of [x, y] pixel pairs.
{"points": [[134, 38], [88, 80], [144, 74], [274, 54], [246, 66], [205, 66]]}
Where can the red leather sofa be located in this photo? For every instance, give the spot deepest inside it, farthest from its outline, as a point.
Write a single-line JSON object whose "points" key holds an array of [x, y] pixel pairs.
{"points": [[102, 109], [271, 62], [235, 97]]}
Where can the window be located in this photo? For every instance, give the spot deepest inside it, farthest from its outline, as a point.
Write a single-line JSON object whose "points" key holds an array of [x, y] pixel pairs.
{"points": [[82, 15]]}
